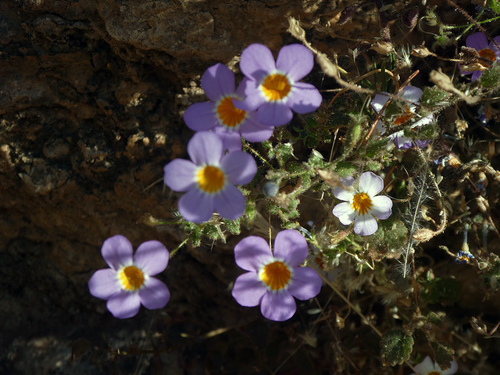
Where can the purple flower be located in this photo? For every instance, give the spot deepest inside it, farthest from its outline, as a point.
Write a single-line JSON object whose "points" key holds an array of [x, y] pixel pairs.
{"points": [[273, 89], [221, 115], [489, 52], [273, 280], [427, 367], [405, 113], [362, 205], [209, 179], [128, 283]]}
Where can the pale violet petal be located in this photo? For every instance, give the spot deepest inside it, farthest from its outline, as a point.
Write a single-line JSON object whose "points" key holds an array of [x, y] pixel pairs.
{"points": [[201, 116], [305, 284], [305, 98], [230, 203], [253, 131], [205, 148], [151, 257], [278, 306], [274, 114], [411, 93], [196, 206], [252, 252], [248, 290], [124, 304], [104, 283], [290, 246], [477, 41], [295, 60], [257, 61], [117, 251], [180, 175], [154, 294], [379, 101], [238, 167], [218, 81]]}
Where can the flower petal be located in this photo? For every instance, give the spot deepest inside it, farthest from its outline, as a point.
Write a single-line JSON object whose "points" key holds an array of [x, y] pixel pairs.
{"points": [[251, 253], [256, 61], [379, 101], [201, 116], [218, 81], [343, 194], [117, 251], [305, 98], [290, 246], [306, 283], [155, 294], [425, 367], [239, 167], [254, 97], [370, 184], [382, 207], [274, 113], [231, 140], [196, 206], [124, 305], [205, 148], [344, 212], [248, 289], [295, 60], [477, 41], [230, 203], [494, 48], [278, 306], [253, 131], [365, 225], [475, 75], [179, 175], [104, 283], [411, 93], [453, 368], [401, 141], [151, 257]]}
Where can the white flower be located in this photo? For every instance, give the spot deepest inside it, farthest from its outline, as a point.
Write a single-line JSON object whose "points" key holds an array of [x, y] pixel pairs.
{"points": [[361, 204], [407, 113], [427, 367]]}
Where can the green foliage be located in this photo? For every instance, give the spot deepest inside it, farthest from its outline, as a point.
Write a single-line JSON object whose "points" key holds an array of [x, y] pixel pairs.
{"points": [[395, 347], [443, 354], [491, 77], [434, 97], [494, 5], [345, 169], [445, 291]]}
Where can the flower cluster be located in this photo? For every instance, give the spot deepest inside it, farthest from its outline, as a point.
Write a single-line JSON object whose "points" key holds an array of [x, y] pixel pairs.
{"points": [[403, 112], [264, 99]]}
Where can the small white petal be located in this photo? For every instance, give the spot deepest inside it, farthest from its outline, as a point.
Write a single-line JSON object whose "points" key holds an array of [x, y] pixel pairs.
{"points": [[370, 184], [365, 225], [382, 207]]}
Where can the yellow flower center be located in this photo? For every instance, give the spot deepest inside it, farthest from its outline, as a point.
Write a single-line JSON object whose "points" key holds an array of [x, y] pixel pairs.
{"points": [[361, 203], [276, 275], [229, 115], [276, 87], [131, 278], [210, 179]]}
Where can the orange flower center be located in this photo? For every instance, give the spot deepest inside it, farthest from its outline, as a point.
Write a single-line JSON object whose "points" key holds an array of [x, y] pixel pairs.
{"points": [[407, 115], [276, 275], [276, 87], [229, 115], [131, 278], [210, 179], [361, 203]]}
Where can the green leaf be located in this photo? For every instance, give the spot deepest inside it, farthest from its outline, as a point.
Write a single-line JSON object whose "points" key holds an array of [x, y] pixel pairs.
{"points": [[494, 5], [395, 347]]}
